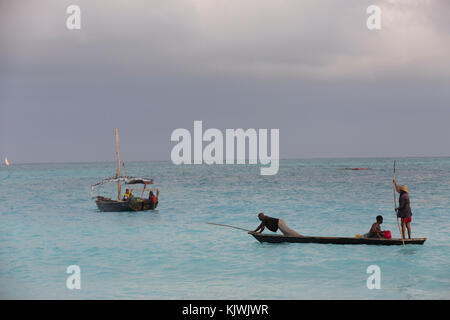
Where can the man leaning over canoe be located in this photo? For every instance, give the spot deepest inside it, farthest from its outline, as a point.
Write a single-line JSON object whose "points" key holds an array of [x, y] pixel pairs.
{"points": [[273, 224]]}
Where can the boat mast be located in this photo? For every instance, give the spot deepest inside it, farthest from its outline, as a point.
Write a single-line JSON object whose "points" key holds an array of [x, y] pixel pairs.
{"points": [[118, 163]]}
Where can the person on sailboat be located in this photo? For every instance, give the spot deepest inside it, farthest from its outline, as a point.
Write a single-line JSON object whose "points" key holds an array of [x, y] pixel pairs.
{"points": [[154, 199], [128, 195], [404, 210], [273, 224]]}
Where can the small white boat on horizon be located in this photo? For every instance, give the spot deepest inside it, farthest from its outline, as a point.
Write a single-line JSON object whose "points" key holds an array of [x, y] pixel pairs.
{"points": [[7, 162]]}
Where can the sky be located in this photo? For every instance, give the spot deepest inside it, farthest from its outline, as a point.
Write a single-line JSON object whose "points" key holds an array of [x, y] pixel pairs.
{"points": [[309, 68]]}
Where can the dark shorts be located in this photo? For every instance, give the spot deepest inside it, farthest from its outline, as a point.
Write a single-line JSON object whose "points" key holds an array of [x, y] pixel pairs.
{"points": [[407, 219]]}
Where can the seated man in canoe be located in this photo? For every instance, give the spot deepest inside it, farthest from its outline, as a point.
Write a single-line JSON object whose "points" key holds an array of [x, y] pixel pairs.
{"points": [[273, 224], [376, 232]]}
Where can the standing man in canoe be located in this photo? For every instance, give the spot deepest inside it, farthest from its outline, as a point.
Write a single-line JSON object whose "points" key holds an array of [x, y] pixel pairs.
{"points": [[403, 210], [273, 224]]}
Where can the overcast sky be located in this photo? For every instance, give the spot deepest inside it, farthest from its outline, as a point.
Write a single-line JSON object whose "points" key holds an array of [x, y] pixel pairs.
{"points": [[310, 68]]}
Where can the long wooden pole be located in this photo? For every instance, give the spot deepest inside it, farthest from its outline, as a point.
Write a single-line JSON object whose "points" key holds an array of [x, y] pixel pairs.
{"points": [[395, 206], [226, 225], [118, 164]]}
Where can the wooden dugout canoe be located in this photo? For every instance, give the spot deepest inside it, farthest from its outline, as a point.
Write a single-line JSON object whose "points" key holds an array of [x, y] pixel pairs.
{"points": [[276, 238]]}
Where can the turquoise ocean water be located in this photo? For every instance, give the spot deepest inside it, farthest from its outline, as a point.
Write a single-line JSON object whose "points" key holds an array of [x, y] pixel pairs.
{"points": [[49, 221]]}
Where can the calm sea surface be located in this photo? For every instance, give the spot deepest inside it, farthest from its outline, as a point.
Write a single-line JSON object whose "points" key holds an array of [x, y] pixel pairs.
{"points": [[48, 221]]}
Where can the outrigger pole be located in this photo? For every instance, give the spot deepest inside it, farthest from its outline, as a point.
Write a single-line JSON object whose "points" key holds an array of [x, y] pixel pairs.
{"points": [[395, 206], [118, 164], [226, 225]]}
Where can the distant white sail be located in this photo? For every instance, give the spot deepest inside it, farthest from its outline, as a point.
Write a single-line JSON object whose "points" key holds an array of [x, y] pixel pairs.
{"points": [[6, 161]]}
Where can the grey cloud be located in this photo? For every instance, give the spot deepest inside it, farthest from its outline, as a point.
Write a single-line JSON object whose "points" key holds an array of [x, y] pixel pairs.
{"points": [[310, 68]]}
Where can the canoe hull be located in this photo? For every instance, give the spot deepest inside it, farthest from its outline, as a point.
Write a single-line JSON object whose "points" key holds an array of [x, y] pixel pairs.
{"points": [[275, 238], [109, 205]]}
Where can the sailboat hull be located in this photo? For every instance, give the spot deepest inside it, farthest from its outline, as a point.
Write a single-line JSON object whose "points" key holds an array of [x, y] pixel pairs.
{"points": [[109, 205]]}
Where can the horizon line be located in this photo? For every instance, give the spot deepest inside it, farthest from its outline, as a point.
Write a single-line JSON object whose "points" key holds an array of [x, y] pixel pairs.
{"points": [[280, 159]]}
